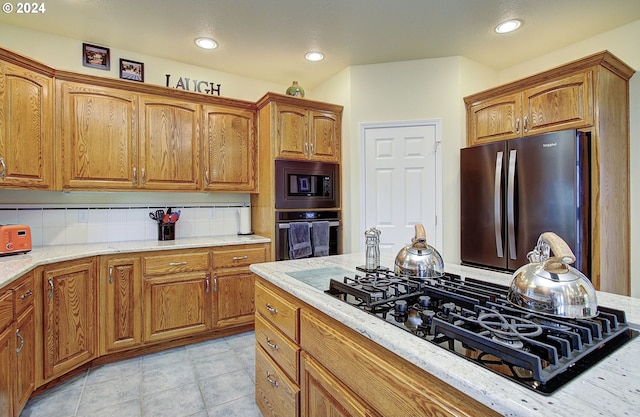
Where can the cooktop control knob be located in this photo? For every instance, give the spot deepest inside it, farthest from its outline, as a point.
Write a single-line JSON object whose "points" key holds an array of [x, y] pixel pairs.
{"points": [[448, 308], [400, 306], [424, 300]]}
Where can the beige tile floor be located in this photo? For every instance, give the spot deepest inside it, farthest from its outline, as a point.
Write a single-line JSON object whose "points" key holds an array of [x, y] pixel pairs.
{"points": [[208, 379]]}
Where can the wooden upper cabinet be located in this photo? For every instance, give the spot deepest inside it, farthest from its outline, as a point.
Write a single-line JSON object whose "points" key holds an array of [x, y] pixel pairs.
{"points": [[229, 149], [324, 136], [99, 136], [563, 103], [305, 133], [169, 144], [26, 128], [566, 103]]}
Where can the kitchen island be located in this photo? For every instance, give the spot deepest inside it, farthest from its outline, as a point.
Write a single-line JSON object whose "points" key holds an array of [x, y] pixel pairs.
{"points": [[610, 387]]}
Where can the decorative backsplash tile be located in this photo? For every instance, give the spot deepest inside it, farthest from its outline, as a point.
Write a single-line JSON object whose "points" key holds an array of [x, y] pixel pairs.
{"points": [[59, 226]]}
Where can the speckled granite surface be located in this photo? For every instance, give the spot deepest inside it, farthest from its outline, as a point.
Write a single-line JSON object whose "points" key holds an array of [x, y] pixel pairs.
{"points": [[13, 266], [610, 388]]}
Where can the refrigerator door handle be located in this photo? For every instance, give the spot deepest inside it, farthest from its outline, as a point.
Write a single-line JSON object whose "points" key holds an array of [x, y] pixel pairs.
{"points": [[497, 209], [511, 229]]}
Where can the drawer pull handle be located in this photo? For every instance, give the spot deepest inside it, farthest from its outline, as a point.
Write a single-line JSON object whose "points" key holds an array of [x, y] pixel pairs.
{"points": [[177, 263], [51, 289], [272, 345], [240, 258], [271, 310], [26, 295], [271, 380], [19, 336]]}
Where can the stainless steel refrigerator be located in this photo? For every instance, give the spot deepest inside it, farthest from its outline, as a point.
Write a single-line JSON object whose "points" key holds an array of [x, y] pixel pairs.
{"points": [[514, 190]]}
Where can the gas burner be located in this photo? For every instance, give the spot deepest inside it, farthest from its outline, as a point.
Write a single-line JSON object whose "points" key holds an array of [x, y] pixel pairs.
{"points": [[373, 283], [507, 329]]}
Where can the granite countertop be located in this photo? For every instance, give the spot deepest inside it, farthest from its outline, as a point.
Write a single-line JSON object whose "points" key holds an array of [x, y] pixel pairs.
{"points": [[14, 266], [610, 387]]}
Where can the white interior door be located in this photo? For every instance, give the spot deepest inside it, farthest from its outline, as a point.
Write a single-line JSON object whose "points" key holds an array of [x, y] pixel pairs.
{"points": [[402, 181]]}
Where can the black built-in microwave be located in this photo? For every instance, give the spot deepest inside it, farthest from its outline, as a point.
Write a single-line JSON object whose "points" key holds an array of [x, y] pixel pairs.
{"points": [[303, 184]]}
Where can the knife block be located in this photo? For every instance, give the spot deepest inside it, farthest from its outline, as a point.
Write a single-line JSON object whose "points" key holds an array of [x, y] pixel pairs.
{"points": [[166, 231]]}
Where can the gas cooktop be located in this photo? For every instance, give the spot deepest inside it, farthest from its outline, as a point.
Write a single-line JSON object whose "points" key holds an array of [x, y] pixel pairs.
{"points": [[474, 320]]}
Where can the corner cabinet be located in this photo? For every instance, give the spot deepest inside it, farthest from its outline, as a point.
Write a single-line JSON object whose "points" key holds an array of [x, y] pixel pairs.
{"points": [[590, 94], [69, 316], [120, 303], [26, 123]]}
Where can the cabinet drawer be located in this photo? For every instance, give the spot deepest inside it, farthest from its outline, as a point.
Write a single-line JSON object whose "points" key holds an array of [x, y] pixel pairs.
{"points": [[283, 351], [238, 257], [6, 308], [275, 395], [171, 264], [24, 294], [278, 311]]}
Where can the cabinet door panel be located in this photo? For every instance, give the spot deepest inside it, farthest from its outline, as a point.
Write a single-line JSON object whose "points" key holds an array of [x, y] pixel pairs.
{"points": [[26, 128], [122, 294], [176, 306], [99, 137], [69, 295], [495, 119], [7, 353], [169, 144], [25, 358], [562, 104], [325, 136], [229, 150], [292, 132], [276, 395], [234, 298]]}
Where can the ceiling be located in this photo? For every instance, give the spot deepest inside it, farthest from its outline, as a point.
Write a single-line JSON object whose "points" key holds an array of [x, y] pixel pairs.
{"points": [[267, 39]]}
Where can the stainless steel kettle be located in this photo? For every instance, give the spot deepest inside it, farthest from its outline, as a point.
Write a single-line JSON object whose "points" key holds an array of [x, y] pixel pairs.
{"points": [[419, 259], [548, 285]]}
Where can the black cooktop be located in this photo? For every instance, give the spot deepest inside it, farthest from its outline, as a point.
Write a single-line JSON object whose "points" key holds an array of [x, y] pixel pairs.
{"points": [[474, 320]]}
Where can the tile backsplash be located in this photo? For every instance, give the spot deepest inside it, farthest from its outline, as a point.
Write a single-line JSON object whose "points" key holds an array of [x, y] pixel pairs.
{"points": [[59, 226]]}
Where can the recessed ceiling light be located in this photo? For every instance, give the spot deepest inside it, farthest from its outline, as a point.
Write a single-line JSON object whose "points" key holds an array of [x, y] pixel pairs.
{"points": [[314, 56], [206, 43], [508, 26]]}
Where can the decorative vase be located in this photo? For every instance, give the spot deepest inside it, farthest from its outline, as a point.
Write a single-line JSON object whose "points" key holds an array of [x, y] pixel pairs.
{"points": [[295, 90]]}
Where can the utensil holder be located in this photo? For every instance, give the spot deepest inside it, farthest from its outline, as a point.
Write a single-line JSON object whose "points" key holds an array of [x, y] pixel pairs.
{"points": [[166, 231]]}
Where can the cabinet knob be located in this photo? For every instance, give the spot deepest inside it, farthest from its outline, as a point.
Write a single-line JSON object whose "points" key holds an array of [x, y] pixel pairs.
{"points": [[51, 289], [271, 344], [19, 348], [3, 168], [26, 295], [177, 263], [240, 258], [135, 175]]}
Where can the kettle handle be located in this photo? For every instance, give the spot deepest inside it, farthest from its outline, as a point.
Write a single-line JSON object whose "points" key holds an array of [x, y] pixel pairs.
{"points": [[563, 253], [420, 241]]}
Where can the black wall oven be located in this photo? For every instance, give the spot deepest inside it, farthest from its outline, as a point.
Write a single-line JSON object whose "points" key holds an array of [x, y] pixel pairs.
{"points": [[306, 185], [285, 218]]}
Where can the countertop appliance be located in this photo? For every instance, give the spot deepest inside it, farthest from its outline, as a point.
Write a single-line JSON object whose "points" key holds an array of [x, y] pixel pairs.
{"points": [[512, 191], [14, 238], [306, 185], [474, 320]]}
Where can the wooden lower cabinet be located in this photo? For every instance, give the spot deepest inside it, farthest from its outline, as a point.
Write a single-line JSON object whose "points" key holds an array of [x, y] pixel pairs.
{"points": [[276, 395], [387, 383], [69, 315], [322, 394], [25, 353], [120, 303], [7, 352]]}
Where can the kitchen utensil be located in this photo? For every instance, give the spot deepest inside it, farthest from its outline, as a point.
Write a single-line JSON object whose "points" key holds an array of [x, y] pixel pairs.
{"points": [[548, 285], [419, 259], [372, 259]]}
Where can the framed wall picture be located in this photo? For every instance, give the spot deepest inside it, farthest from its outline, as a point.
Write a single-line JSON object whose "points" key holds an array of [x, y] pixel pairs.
{"points": [[95, 56], [131, 70]]}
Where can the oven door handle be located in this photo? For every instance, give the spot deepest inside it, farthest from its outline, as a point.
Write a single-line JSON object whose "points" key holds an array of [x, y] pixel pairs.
{"points": [[286, 225]]}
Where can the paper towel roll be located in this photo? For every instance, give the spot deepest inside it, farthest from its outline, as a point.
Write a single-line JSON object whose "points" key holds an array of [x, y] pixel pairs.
{"points": [[245, 220]]}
